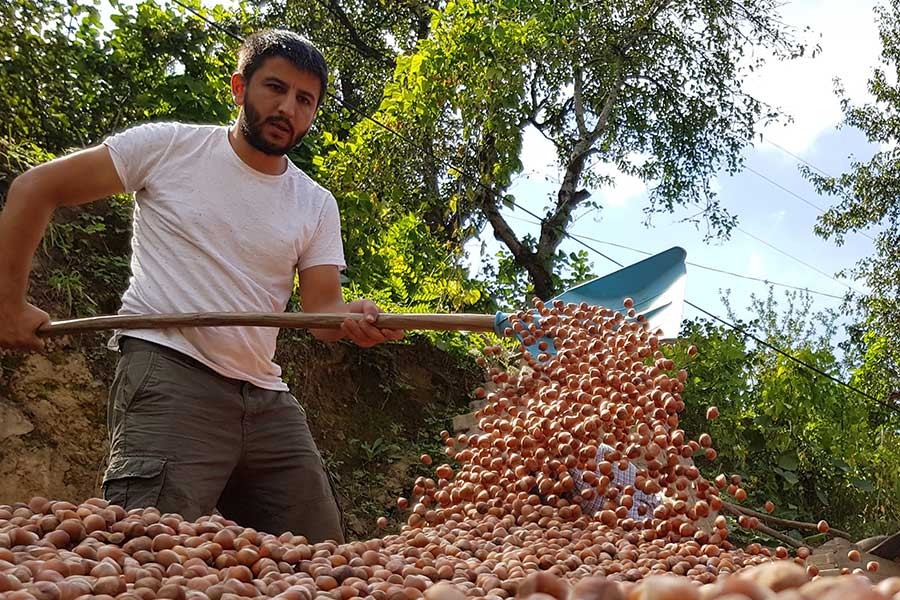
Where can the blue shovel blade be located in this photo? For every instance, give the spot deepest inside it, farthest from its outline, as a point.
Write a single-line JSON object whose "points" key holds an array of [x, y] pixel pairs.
{"points": [[656, 284]]}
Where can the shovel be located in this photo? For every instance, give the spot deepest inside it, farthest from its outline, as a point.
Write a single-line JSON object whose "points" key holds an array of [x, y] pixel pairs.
{"points": [[656, 285]]}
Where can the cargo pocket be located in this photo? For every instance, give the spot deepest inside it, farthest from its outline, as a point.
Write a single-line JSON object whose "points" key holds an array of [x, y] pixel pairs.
{"points": [[132, 374], [134, 481], [138, 368]]}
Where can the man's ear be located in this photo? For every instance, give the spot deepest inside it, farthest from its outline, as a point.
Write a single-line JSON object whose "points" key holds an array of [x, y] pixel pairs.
{"points": [[238, 88]]}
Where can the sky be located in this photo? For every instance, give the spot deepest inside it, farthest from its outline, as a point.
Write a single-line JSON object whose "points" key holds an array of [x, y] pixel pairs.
{"points": [[804, 90]]}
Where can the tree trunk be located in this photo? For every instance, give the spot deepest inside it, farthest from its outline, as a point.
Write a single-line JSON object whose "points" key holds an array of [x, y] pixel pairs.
{"points": [[538, 263], [553, 229], [541, 277]]}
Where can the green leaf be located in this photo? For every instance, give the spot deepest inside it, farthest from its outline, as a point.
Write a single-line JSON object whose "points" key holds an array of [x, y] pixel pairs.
{"points": [[788, 462], [862, 484], [790, 477], [840, 464], [763, 420], [757, 440]]}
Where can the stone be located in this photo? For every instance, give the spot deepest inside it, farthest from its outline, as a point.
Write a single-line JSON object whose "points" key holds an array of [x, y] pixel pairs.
{"points": [[13, 421]]}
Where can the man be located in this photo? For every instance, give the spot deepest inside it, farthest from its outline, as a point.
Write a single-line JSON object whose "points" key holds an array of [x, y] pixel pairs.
{"points": [[643, 504], [199, 418]]}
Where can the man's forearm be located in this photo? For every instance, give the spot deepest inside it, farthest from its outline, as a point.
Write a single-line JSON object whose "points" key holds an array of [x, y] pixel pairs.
{"points": [[320, 292], [22, 224], [330, 335]]}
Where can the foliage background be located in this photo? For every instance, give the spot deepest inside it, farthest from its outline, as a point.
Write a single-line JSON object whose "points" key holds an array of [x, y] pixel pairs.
{"points": [[816, 449]]}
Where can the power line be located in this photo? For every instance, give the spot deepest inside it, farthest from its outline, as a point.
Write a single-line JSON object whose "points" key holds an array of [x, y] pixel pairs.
{"points": [[213, 24], [565, 233], [755, 338], [794, 258], [799, 158], [794, 358], [784, 189], [762, 342], [767, 281], [757, 238], [698, 265], [725, 272], [794, 194]]}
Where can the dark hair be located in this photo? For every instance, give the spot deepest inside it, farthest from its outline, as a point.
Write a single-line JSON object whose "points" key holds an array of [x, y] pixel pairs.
{"points": [[286, 44]]}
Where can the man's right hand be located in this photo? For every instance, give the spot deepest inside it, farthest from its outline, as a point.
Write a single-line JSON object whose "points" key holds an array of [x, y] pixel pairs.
{"points": [[19, 324], [32, 197]]}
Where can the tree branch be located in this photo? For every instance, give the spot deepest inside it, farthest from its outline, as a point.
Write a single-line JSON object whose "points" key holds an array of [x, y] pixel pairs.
{"points": [[783, 522], [568, 197], [730, 508], [359, 44], [606, 111], [502, 230], [536, 105], [540, 127], [579, 103], [656, 9]]}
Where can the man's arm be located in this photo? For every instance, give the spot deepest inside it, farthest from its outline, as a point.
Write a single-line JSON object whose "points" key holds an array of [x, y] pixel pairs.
{"points": [[320, 291], [78, 178]]}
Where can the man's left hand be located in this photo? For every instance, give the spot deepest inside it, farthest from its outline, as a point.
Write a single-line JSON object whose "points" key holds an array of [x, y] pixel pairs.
{"points": [[364, 332]]}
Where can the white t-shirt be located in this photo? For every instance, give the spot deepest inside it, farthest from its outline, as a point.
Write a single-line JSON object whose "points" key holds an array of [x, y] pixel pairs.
{"points": [[620, 478], [211, 234]]}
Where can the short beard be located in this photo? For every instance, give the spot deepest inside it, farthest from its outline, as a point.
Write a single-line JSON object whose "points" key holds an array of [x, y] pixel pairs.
{"points": [[251, 124]]}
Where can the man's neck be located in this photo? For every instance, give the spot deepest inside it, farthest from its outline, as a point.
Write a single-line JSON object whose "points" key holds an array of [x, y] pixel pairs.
{"points": [[260, 161]]}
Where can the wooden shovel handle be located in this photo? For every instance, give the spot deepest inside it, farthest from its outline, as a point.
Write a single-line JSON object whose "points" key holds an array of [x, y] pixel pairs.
{"points": [[431, 322]]}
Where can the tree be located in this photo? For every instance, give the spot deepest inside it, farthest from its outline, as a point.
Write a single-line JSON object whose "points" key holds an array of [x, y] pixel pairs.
{"points": [[817, 449], [361, 40], [654, 88], [867, 198], [68, 83]]}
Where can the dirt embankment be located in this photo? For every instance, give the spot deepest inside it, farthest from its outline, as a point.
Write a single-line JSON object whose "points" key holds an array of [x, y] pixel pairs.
{"points": [[368, 409], [52, 432]]}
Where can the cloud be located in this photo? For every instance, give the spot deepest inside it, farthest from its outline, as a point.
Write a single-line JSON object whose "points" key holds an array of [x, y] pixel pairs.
{"points": [[778, 217], [623, 189], [538, 155], [804, 88], [756, 266]]}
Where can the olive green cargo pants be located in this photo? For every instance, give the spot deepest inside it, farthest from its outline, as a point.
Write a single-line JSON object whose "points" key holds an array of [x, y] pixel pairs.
{"points": [[187, 440]]}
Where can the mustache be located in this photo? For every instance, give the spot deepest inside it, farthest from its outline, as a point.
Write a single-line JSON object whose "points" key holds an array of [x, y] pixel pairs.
{"points": [[281, 121]]}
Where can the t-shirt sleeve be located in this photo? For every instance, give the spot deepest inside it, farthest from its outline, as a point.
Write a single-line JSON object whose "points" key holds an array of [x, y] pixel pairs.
{"points": [[137, 152], [326, 246]]}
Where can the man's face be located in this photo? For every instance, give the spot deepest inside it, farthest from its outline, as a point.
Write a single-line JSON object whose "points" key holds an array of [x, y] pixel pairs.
{"points": [[278, 105]]}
